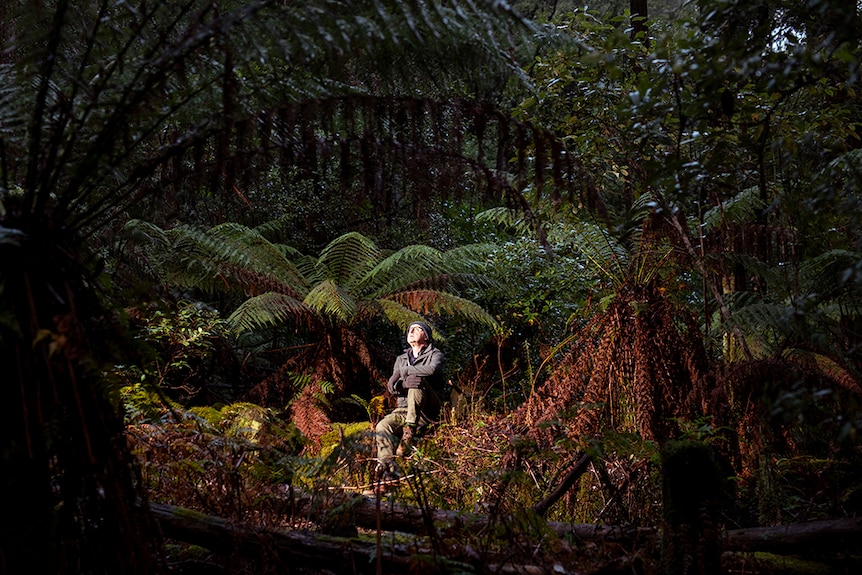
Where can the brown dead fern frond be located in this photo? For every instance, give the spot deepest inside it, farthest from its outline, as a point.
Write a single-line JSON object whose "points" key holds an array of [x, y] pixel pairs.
{"points": [[828, 366], [632, 369]]}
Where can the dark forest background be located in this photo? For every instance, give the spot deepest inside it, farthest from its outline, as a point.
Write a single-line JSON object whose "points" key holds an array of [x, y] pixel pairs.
{"points": [[634, 227]]}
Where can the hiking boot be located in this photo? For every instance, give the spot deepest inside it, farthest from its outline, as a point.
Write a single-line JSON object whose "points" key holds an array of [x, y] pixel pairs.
{"points": [[404, 446], [385, 472], [384, 478]]}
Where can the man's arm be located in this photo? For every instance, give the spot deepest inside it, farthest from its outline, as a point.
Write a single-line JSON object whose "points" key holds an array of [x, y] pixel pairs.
{"points": [[432, 366], [396, 383]]}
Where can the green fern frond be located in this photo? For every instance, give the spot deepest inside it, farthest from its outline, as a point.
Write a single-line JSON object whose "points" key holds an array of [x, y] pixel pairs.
{"points": [[266, 310], [176, 256], [741, 208], [398, 314], [607, 255], [331, 300], [430, 302], [505, 218], [236, 244], [310, 268], [326, 386], [820, 274], [767, 322], [825, 270], [358, 401], [348, 258], [13, 103], [300, 380], [402, 269], [226, 257], [471, 258], [848, 305], [630, 232], [273, 230], [140, 232]]}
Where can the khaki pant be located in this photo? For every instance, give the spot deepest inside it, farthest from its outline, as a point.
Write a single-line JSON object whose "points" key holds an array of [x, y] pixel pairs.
{"points": [[422, 409]]}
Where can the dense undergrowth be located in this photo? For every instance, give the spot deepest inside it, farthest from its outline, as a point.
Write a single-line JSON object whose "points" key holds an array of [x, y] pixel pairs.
{"points": [[245, 464]]}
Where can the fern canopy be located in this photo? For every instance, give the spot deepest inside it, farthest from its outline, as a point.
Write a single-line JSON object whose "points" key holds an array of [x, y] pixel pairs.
{"points": [[351, 280]]}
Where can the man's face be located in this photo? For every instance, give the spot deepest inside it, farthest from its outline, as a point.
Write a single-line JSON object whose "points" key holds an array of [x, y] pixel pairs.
{"points": [[416, 335]]}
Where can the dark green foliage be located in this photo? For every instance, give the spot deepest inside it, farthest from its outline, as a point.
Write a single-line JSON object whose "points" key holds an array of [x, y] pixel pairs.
{"points": [[699, 185]]}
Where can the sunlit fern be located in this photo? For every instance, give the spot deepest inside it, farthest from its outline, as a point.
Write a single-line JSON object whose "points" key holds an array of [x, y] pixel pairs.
{"points": [[351, 280]]}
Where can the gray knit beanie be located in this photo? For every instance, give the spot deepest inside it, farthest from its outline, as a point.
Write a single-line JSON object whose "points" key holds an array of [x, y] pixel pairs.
{"points": [[424, 327]]}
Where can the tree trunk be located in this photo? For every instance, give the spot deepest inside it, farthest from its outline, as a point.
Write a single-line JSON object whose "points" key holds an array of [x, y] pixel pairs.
{"points": [[638, 9]]}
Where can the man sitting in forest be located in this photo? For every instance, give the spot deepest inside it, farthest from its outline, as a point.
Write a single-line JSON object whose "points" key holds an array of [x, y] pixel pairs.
{"points": [[416, 374]]}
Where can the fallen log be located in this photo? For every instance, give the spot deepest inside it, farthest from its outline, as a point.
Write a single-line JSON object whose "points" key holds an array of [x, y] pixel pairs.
{"points": [[295, 549], [409, 519], [809, 538], [352, 555], [317, 552]]}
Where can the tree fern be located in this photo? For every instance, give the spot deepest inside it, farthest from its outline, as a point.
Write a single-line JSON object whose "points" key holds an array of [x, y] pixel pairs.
{"points": [[741, 208], [439, 303], [348, 258], [608, 257], [331, 300], [801, 309], [343, 285], [267, 310]]}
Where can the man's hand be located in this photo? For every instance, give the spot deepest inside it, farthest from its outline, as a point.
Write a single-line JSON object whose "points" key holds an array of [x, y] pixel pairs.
{"points": [[395, 386], [412, 381]]}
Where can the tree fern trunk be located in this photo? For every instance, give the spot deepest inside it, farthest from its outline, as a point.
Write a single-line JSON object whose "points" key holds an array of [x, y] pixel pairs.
{"points": [[69, 498]]}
